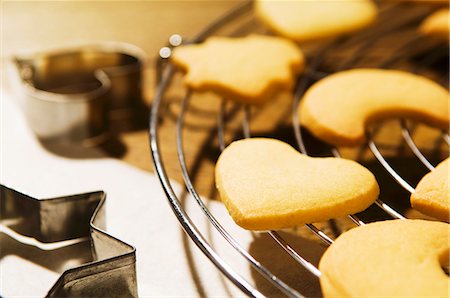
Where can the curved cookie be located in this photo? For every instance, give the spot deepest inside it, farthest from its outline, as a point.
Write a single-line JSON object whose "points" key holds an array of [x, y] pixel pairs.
{"points": [[437, 24], [247, 69], [266, 185], [394, 258], [306, 20], [337, 108], [432, 195]]}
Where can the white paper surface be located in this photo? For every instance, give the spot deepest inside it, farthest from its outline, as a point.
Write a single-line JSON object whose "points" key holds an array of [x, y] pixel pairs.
{"points": [[168, 263], [137, 213]]}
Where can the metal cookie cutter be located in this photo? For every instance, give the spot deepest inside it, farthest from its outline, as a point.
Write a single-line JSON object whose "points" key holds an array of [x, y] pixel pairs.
{"points": [[112, 271], [80, 94]]}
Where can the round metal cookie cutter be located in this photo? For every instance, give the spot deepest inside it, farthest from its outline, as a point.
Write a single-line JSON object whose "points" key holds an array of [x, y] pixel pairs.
{"points": [[78, 95]]}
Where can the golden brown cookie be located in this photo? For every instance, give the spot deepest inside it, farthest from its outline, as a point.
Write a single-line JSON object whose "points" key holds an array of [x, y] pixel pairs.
{"points": [[306, 20], [432, 195], [338, 108], [437, 24], [394, 258], [266, 184], [248, 69]]}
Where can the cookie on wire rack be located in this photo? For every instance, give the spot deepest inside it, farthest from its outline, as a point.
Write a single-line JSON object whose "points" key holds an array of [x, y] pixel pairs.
{"points": [[393, 258], [432, 195], [249, 69], [338, 108], [266, 184], [303, 20], [437, 24]]}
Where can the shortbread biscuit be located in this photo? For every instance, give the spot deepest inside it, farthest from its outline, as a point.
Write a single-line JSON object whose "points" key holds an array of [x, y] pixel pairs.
{"points": [[432, 195], [437, 24], [338, 108], [247, 69], [306, 20], [266, 184], [394, 258]]}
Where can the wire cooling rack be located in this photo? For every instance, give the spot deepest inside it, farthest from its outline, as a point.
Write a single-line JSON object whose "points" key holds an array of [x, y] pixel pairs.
{"points": [[393, 42]]}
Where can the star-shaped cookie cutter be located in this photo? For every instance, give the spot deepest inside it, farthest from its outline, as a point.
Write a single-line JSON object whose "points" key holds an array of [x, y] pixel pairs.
{"points": [[113, 269]]}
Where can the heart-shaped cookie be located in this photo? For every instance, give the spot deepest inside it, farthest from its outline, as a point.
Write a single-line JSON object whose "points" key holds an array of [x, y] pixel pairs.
{"points": [[393, 258], [338, 108], [266, 185], [432, 195]]}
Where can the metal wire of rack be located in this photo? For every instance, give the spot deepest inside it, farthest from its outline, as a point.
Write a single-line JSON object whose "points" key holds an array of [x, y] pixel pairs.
{"points": [[410, 48]]}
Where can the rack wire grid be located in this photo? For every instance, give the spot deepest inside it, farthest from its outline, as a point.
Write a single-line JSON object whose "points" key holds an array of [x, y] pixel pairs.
{"points": [[393, 42]]}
